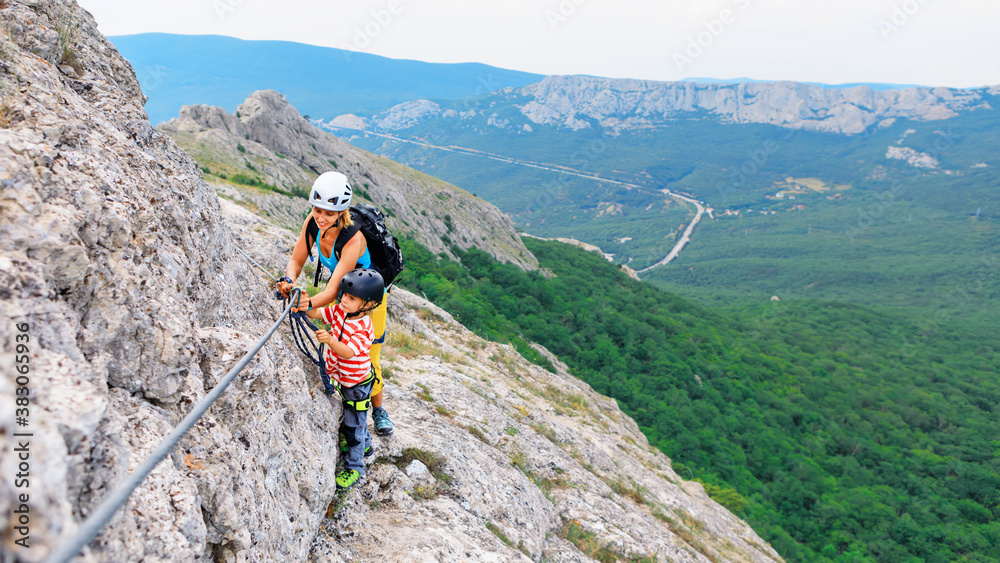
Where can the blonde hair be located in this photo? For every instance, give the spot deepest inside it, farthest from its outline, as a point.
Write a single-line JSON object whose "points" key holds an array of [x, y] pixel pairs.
{"points": [[345, 219]]}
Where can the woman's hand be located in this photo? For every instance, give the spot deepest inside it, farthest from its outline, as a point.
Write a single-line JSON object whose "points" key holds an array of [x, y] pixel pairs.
{"points": [[284, 287]]}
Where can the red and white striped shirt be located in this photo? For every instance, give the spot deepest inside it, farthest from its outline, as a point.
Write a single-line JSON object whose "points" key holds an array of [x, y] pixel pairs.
{"points": [[358, 336]]}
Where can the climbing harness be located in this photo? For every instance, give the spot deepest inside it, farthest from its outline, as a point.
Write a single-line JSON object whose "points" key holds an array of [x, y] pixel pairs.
{"points": [[364, 404]]}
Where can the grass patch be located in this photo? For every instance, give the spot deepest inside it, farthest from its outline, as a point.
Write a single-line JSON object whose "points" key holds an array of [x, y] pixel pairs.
{"points": [[435, 462], [68, 29], [424, 393], [498, 533], [429, 492], [633, 491], [545, 431], [475, 431], [510, 430], [570, 404], [587, 542], [688, 530], [427, 315], [410, 346], [443, 410]]}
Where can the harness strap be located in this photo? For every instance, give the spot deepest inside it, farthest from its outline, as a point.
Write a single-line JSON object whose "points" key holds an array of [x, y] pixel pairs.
{"points": [[364, 404]]}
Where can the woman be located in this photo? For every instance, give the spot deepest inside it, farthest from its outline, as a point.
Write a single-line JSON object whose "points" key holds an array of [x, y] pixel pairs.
{"points": [[330, 199]]}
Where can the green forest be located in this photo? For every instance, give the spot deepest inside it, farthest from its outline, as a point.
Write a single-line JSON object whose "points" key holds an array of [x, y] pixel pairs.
{"points": [[840, 432]]}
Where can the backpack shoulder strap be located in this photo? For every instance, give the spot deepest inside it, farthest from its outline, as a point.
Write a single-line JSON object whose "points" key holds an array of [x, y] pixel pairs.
{"points": [[312, 231], [345, 235]]}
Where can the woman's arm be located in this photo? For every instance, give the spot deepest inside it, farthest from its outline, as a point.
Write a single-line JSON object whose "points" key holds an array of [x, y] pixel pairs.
{"points": [[295, 263], [349, 257]]}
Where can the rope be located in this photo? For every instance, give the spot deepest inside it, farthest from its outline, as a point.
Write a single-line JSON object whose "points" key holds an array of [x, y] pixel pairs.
{"points": [[100, 517], [302, 333], [302, 328]]}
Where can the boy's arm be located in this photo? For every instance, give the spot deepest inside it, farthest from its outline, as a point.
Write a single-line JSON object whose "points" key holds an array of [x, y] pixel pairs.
{"points": [[341, 349]]}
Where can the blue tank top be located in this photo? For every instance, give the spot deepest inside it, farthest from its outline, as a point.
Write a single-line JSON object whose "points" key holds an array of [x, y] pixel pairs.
{"points": [[330, 262]]}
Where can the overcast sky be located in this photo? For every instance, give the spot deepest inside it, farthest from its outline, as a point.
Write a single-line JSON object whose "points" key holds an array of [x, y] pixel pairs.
{"points": [[929, 42]]}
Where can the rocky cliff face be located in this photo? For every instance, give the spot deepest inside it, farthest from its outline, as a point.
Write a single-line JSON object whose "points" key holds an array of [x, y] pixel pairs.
{"points": [[114, 257], [121, 265], [268, 138], [617, 105]]}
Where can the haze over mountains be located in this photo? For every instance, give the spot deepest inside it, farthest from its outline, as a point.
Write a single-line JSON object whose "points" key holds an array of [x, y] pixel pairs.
{"points": [[179, 70]]}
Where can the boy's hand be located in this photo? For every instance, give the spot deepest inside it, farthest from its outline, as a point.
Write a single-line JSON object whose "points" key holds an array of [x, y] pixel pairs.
{"points": [[323, 336]]}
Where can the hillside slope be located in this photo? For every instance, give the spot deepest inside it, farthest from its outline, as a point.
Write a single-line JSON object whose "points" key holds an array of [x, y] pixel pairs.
{"points": [[121, 265], [268, 140]]}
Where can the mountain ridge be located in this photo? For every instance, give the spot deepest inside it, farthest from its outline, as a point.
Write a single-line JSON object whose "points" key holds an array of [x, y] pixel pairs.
{"points": [[617, 105]]}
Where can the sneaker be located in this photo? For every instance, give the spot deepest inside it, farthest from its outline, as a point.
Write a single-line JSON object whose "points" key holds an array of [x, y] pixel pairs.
{"points": [[383, 426], [346, 479]]}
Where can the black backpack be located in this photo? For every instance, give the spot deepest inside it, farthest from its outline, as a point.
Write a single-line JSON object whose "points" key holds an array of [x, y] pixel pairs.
{"points": [[387, 258]]}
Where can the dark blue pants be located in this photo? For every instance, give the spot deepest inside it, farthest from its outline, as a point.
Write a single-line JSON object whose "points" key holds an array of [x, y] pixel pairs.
{"points": [[355, 426]]}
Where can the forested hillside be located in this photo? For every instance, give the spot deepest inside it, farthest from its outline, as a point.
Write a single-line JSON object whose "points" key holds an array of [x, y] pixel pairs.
{"points": [[840, 432], [902, 216]]}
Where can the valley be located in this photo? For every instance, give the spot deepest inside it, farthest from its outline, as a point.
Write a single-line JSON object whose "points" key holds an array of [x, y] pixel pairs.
{"points": [[683, 240]]}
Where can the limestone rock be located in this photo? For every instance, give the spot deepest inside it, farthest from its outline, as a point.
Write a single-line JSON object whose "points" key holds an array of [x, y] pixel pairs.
{"points": [[627, 104], [617, 105]]}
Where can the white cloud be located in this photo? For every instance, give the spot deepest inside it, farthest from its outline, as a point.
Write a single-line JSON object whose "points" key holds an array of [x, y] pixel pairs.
{"points": [[934, 42]]}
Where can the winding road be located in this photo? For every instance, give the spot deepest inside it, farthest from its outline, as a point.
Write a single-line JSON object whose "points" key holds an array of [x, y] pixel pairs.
{"points": [[685, 238]]}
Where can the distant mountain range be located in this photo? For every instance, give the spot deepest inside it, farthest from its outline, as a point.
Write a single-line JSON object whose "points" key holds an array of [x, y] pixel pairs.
{"points": [[616, 105], [878, 86], [322, 82]]}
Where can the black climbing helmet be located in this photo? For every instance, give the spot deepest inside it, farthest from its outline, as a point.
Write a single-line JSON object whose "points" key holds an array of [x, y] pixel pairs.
{"points": [[364, 283]]}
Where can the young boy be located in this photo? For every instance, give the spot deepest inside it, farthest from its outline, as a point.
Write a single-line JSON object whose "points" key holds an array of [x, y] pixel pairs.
{"points": [[348, 362]]}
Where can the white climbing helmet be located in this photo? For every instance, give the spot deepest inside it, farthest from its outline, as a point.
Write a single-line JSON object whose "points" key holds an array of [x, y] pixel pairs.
{"points": [[331, 191]]}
